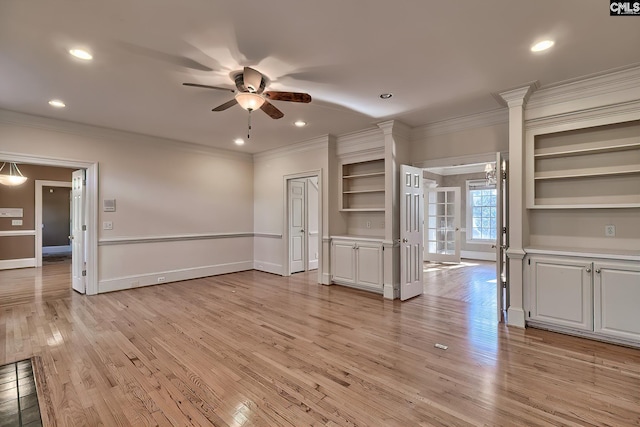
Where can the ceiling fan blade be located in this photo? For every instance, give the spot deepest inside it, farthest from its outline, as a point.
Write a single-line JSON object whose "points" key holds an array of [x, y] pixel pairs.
{"points": [[226, 105], [271, 111], [209, 87], [252, 79], [288, 96]]}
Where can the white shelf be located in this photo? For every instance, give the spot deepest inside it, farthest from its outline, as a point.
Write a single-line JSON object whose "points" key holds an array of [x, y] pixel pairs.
{"points": [[363, 210], [363, 175], [588, 172], [363, 191], [587, 148]]}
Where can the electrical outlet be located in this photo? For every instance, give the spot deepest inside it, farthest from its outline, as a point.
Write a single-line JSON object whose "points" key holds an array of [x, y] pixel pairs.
{"points": [[161, 279], [368, 224], [107, 225], [610, 230]]}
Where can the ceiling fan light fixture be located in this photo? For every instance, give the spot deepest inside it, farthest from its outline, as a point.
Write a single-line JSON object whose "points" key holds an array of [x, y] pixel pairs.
{"points": [[249, 101], [81, 54]]}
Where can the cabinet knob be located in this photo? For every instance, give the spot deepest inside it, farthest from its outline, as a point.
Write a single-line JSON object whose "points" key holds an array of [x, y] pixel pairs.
{"points": [[598, 271], [588, 270]]}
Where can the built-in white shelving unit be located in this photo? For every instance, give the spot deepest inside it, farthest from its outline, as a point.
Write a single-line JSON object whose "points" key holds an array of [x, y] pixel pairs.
{"points": [[592, 174], [362, 186]]}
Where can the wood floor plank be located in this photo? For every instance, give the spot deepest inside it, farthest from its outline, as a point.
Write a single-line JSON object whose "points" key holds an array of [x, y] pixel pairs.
{"points": [[255, 349]]}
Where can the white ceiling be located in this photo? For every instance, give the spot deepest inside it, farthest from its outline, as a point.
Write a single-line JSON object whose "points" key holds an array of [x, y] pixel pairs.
{"points": [[440, 59]]}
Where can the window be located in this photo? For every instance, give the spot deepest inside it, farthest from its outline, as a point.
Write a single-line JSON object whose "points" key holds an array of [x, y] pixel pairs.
{"points": [[481, 211]]}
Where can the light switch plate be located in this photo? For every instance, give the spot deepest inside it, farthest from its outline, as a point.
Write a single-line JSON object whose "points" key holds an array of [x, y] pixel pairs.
{"points": [[107, 225], [16, 222]]}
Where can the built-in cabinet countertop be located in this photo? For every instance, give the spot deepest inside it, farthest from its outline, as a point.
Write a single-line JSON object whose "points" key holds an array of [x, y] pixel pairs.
{"points": [[625, 255], [360, 238]]}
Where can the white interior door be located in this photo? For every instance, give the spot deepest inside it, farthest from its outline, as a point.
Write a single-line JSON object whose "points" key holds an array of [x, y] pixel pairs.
{"points": [[502, 241], [297, 216], [312, 223], [442, 225], [411, 219], [78, 229]]}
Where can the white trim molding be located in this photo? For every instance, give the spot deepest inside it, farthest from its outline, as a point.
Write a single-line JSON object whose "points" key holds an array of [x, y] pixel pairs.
{"points": [[312, 144], [484, 256], [12, 233], [458, 124], [7, 264], [268, 267], [48, 250], [170, 238], [139, 280]]}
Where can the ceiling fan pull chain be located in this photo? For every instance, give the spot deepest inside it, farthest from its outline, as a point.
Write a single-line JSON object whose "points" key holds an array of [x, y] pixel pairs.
{"points": [[249, 128]]}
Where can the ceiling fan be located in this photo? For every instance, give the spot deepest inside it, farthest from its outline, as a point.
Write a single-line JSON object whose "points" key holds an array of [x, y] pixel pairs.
{"points": [[250, 94]]}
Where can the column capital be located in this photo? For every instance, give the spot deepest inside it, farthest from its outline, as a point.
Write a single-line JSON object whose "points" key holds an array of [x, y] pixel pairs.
{"points": [[518, 97]]}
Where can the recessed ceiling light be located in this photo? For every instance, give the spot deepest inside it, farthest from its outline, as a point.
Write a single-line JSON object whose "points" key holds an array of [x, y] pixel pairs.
{"points": [[81, 54], [543, 45], [239, 141], [300, 123], [57, 103], [386, 95]]}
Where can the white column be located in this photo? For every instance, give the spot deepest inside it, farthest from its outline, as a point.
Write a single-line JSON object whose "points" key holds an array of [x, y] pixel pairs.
{"points": [[518, 222]]}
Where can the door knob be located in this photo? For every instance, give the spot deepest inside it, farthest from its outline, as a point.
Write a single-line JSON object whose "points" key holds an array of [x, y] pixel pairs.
{"points": [[302, 231], [70, 237], [405, 240]]}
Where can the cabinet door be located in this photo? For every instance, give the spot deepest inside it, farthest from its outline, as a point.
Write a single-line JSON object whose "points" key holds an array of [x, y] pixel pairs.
{"points": [[343, 262], [616, 289], [369, 265], [561, 292]]}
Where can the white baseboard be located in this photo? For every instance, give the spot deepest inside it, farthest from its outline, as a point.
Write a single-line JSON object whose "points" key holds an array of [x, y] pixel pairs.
{"points": [[485, 256], [7, 264], [46, 250], [313, 265], [326, 278], [136, 281], [268, 267], [515, 317]]}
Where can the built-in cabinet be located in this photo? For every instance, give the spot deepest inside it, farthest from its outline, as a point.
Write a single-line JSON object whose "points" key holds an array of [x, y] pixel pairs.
{"points": [[357, 262], [592, 295]]}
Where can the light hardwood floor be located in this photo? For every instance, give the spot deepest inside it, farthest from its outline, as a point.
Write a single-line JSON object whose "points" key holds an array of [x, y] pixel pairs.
{"points": [[255, 349]]}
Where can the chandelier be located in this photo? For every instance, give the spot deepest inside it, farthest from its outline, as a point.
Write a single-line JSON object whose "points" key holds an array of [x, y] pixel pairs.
{"points": [[13, 176]]}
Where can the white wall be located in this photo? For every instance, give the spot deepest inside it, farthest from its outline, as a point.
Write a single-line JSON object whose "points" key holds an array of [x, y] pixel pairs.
{"points": [[270, 169], [162, 189]]}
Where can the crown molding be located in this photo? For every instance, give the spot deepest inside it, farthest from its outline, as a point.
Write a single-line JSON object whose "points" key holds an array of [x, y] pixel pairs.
{"points": [[317, 143], [457, 160], [360, 141], [608, 88], [487, 118], [62, 126]]}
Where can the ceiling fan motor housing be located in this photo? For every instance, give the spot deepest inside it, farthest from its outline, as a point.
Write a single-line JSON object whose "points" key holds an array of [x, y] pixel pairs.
{"points": [[239, 81]]}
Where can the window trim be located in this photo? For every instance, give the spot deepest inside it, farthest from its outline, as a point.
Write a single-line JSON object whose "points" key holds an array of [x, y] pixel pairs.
{"points": [[476, 184]]}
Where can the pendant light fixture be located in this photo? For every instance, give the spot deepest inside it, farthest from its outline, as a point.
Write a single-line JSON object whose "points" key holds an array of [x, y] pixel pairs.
{"points": [[13, 176]]}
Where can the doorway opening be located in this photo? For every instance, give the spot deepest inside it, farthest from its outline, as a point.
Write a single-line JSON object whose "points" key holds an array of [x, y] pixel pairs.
{"points": [[465, 236], [303, 223], [82, 216]]}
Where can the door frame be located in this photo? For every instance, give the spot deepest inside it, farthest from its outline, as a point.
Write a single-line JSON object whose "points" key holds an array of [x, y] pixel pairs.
{"points": [[38, 224], [471, 159], [286, 269], [91, 243]]}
